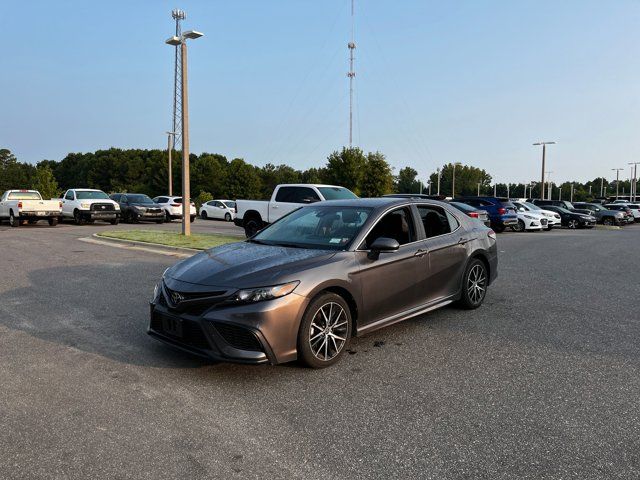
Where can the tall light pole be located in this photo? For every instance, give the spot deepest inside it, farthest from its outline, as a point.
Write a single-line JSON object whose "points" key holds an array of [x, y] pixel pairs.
{"points": [[453, 180], [352, 46], [548, 185], [634, 181], [171, 136], [617, 170], [544, 152], [479, 188], [184, 95], [571, 196], [439, 173]]}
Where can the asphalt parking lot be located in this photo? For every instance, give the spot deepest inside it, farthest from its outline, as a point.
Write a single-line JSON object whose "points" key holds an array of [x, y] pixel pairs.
{"points": [[541, 382]]}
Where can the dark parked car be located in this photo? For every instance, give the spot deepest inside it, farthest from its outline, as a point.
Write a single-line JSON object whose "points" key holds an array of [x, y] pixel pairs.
{"points": [[572, 219], [628, 214], [560, 203], [502, 212], [603, 215], [304, 285], [472, 212], [136, 207]]}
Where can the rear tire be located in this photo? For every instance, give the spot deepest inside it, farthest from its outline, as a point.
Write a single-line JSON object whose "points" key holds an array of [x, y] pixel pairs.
{"points": [[167, 217], [474, 284], [498, 229], [13, 221], [251, 227], [572, 224], [325, 331], [192, 218]]}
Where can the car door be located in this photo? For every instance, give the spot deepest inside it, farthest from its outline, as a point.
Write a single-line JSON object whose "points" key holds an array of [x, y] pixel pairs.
{"points": [[68, 203], [445, 242], [219, 210], [388, 281], [290, 198]]}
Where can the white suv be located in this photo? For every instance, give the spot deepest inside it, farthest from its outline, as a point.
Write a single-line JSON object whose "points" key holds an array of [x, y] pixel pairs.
{"points": [[172, 207]]}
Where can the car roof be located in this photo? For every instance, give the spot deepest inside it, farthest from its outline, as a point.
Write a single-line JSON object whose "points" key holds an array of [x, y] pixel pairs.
{"points": [[379, 202]]}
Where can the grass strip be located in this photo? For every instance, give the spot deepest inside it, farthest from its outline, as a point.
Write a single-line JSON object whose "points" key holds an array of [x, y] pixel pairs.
{"points": [[198, 241]]}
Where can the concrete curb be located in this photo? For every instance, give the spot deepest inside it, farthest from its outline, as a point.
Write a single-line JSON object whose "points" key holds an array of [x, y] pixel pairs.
{"points": [[607, 227], [155, 246]]}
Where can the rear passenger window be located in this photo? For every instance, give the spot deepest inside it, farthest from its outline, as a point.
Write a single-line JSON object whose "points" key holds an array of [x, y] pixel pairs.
{"points": [[296, 195], [436, 221]]}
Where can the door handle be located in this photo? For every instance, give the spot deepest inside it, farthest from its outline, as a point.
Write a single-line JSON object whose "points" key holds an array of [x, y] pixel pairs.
{"points": [[274, 206], [421, 252]]}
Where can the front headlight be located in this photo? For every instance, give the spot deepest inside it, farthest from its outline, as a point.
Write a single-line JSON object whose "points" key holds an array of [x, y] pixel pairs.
{"points": [[259, 294], [140, 209], [116, 206], [529, 217], [85, 206]]}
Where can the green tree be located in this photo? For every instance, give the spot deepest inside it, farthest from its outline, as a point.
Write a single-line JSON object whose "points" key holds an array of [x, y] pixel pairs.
{"points": [[202, 198], [467, 179], [272, 175], [345, 168], [45, 182], [406, 181], [209, 174], [243, 180], [377, 178], [14, 174]]}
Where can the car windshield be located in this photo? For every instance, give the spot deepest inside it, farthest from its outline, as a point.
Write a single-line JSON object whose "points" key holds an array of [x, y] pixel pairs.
{"points": [[321, 227], [463, 206], [336, 193], [138, 198], [24, 196], [561, 210], [91, 195], [531, 206], [230, 204]]}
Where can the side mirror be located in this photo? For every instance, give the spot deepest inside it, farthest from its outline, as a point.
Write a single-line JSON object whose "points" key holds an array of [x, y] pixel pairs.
{"points": [[383, 244], [521, 209]]}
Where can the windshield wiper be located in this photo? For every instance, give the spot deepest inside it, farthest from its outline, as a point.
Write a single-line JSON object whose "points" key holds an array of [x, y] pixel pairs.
{"points": [[287, 245]]}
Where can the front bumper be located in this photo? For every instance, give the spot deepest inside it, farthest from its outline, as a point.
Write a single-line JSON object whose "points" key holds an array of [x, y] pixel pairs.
{"points": [[149, 217], [263, 332], [102, 215]]}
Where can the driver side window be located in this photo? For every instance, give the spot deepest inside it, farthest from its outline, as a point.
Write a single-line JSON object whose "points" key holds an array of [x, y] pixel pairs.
{"points": [[397, 224]]}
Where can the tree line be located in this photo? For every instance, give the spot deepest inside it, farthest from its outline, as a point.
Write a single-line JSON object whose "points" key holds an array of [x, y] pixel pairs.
{"points": [[215, 176]]}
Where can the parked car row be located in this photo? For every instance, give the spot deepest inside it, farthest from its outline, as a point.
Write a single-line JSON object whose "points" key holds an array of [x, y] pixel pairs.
{"points": [[87, 205]]}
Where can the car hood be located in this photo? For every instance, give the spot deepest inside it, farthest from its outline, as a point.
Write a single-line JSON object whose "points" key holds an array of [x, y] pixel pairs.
{"points": [[244, 264]]}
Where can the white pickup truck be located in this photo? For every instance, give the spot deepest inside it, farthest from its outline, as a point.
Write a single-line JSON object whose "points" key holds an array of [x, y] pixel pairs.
{"points": [[88, 205], [253, 215], [20, 206]]}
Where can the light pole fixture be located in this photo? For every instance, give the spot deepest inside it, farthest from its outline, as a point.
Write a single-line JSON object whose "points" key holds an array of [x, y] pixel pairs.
{"points": [[184, 95], [544, 151], [617, 170], [453, 180], [171, 138]]}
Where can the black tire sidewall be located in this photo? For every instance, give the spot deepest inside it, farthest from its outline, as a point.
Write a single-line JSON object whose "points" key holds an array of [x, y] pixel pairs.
{"points": [[305, 355], [465, 302], [227, 217], [203, 215]]}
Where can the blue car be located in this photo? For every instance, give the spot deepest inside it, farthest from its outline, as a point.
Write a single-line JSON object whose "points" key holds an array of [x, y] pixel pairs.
{"points": [[502, 212]]}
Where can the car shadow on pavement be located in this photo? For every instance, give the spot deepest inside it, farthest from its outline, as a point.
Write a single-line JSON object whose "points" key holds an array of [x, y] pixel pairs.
{"points": [[100, 309]]}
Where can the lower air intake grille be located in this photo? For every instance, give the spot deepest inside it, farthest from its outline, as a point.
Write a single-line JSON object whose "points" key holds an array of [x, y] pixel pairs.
{"points": [[238, 337]]}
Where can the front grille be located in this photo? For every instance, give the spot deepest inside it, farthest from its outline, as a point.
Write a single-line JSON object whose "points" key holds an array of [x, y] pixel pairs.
{"points": [[239, 337], [543, 221], [102, 207], [154, 210]]}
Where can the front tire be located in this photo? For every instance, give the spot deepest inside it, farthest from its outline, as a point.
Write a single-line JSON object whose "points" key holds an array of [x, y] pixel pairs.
{"points": [[227, 217], [608, 221], [325, 331], [203, 215], [115, 221], [474, 284], [519, 227], [77, 218]]}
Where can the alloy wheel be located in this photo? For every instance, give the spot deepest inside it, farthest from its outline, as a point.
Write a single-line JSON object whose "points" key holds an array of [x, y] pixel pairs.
{"points": [[573, 224], [476, 284], [328, 331]]}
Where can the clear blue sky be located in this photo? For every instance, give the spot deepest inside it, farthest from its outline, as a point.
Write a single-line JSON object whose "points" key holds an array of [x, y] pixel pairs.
{"points": [[468, 81]]}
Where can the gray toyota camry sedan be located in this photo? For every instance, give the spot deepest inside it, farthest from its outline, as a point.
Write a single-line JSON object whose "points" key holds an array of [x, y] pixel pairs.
{"points": [[303, 286]]}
